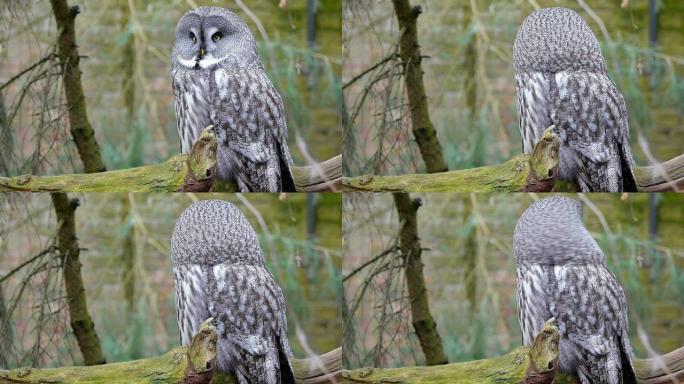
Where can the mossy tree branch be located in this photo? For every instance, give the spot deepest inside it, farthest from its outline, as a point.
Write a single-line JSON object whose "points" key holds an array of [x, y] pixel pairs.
{"points": [[423, 322], [531, 173], [67, 51], [180, 365], [187, 173], [67, 245], [536, 364], [411, 58]]}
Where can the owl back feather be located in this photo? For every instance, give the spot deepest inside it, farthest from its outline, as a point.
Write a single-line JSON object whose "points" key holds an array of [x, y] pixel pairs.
{"points": [[556, 39], [561, 81], [561, 273], [219, 272]]}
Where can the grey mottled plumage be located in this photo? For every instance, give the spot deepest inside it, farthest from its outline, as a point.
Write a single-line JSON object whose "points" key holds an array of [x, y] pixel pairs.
{"points": [[219, 272], [561, 80], [219, 79], [562, 274]]}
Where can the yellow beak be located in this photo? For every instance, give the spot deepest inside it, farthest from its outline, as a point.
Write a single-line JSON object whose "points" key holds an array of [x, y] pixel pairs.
{"points": [[201, 51]]}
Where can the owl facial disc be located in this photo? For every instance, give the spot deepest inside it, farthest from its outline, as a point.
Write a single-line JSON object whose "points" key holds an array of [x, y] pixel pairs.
{"points": [[208, 36]]}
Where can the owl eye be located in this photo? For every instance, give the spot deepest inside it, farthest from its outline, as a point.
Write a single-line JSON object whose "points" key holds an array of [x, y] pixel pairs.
{"points": [[217, 36], [193, 37]]}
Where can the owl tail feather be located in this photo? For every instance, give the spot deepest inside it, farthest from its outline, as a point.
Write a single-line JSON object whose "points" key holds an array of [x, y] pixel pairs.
{"points": [[628, 181], [286, 373], [628, 375], [287, 180]]}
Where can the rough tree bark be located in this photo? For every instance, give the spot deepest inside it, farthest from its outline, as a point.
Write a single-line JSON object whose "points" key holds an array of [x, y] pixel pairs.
{"points": [[409, 51], [67, 245], [409, 243], [185, 173], [67, 51]]}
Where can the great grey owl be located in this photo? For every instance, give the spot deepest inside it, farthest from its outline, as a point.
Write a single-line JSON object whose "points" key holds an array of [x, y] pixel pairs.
{"points": [[562, 274], [219, 272], [219, 79], [561, 80]]}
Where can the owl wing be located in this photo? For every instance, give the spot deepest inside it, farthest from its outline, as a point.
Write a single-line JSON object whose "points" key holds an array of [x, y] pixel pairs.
{"points": [[191, 299], [590, 309], [532, 89], [249, 309], [190, 89], [591, 119], [250, 119], [621, 134], [533, 307]]}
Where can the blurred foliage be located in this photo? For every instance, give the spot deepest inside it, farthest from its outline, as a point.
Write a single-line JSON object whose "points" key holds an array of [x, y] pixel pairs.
{"points": [[469, 44], [305, 263], [470, 272], [126, 46]]}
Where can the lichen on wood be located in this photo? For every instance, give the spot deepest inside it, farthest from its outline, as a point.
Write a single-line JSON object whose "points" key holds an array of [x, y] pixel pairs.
{"points": [[180, 365], [514, 367], [537, 364], [524, 173], [185, 173]]}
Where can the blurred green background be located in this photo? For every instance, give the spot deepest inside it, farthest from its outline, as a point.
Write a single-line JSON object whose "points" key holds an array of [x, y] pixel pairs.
{"points": [[128, 235], [126, 46], [468, 47], [470, 272]]}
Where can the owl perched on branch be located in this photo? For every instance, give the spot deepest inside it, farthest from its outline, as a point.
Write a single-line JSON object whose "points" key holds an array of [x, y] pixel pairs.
{"points": [[561, 80], [219, 272], [562, 274], [219, 79]]}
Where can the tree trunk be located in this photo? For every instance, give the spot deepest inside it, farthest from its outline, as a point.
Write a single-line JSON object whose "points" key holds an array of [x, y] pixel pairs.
{"points": [[6, 140], [5, 331], [471, 257], [423, 323], [409, 50], [67, 51], [67, 244], [128, 256], [470, 66], [128, 67]]}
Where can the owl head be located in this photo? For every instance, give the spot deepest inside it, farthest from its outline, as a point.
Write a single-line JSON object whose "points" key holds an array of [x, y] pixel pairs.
{"points": [[208, 36], [551, 231], [211, 232], [556, 39]]}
